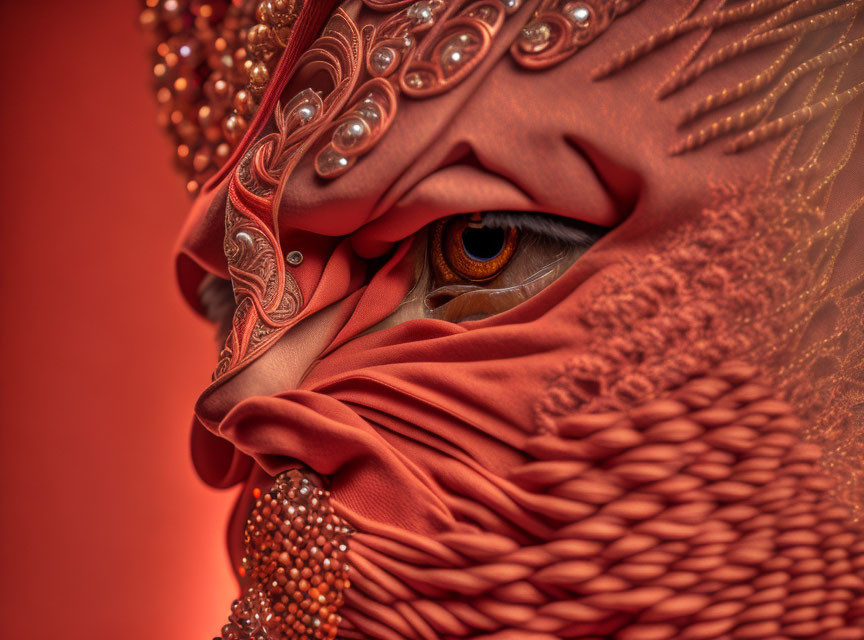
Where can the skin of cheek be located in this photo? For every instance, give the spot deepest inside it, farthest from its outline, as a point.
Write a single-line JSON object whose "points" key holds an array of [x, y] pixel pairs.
{"points": [[282, 367]]}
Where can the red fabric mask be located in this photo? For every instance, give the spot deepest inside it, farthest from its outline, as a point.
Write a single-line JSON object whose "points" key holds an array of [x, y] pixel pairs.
{"points": [[662, 443]]}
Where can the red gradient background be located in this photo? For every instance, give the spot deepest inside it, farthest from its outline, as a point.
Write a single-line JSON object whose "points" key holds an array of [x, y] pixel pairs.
{"points": [[105, 532]]}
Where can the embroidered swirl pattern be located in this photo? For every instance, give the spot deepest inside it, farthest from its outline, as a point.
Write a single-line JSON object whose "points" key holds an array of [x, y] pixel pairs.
{"points": [[421, 50], [559, 28], [267, 296]]}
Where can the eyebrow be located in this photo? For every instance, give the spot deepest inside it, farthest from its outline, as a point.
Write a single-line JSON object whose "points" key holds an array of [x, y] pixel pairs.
{"points": [[556, 227]]}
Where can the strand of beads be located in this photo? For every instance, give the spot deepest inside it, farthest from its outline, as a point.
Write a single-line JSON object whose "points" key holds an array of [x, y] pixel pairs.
{"points": [[212, 63], [294, 567]]}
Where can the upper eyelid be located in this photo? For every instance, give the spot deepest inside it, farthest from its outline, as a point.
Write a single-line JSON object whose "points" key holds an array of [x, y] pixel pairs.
{"points": [[554, 227]]}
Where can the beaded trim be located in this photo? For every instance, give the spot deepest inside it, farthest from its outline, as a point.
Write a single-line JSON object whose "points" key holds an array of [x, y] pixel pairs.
{"points": [[212, 64]]}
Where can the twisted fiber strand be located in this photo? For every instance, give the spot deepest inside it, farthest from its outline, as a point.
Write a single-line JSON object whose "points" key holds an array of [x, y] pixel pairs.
{"points": [[786, 152], [749, 43], [781, 160], [808, 166], [823, 345], [753, 84], [797, 118], [667, 34], [691, 55], [757, 112], [827, 183], [835, 234], [830, 179], [794, 10]]}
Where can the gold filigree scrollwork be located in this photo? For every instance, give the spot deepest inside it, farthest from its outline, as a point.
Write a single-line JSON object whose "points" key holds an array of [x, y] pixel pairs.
{"points": [[397, 37], [559, 28], [359, 129], [267, 296], [452, 50], [422, 50]]}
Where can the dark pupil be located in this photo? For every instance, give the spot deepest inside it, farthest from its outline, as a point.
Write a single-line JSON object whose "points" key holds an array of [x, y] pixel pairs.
{"points": [[484, 243]]}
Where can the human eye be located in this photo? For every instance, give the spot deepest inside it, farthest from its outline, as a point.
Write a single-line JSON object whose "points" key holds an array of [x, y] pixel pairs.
{"points": [[480, 264]]}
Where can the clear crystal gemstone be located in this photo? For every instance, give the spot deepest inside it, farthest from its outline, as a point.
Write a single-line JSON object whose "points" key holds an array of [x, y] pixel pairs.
{"points": [[414, 80], [535, 37], [456, 52], [369, 111], [420, 12], [382, 60], [330, 163], [579, 13], [350, 133]]}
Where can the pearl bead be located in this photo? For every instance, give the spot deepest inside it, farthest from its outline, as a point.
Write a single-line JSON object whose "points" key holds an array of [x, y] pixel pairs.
{"points": [[244, 102], [306, 113], [234, 127], [260, 42]]}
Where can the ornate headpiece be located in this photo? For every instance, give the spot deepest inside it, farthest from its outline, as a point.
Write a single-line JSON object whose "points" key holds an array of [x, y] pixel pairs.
{"points": [[213, 60]]}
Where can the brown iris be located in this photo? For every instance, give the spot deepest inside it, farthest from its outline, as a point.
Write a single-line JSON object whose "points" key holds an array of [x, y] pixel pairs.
{"points": [[463, 249]]}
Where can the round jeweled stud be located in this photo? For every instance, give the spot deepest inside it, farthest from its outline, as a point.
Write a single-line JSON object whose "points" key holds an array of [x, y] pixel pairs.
{"points": [[414, 80], [350, 133], [420, 12], [381, 60], [578, 13], [294, 258], [456, 52], [535, 37], [330, 163]]}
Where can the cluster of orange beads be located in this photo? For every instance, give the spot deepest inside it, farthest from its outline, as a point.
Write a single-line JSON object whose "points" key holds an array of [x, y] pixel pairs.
{"points": [[212, 63], [294, 565]]}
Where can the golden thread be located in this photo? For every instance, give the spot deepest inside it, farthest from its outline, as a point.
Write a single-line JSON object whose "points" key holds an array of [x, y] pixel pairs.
{"points": [[765, 106], [831, 178], [666, 35], [793, 11], [752, 42], [796, 118], [726, 96]]}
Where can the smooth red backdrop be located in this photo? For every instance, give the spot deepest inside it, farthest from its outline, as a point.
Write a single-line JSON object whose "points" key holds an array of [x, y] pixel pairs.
{"points": [[105, 532]]}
